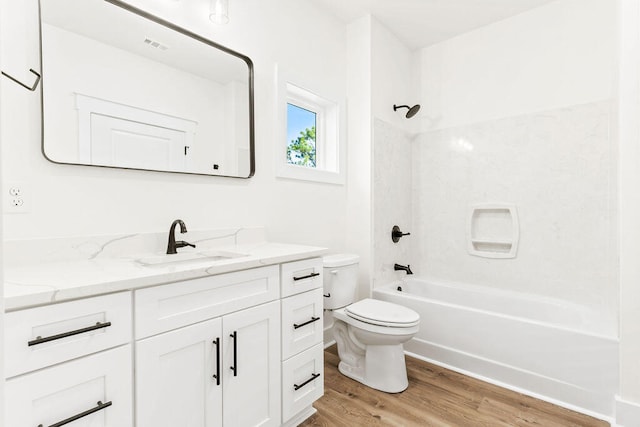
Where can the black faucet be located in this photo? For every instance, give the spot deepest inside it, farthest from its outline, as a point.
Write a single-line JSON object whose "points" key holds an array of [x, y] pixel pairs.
{"points": [[398, 267], [173, 245]]}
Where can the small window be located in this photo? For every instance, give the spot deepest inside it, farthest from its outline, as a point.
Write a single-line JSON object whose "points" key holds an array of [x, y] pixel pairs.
{"points": [[310, 144], [301, 136]]}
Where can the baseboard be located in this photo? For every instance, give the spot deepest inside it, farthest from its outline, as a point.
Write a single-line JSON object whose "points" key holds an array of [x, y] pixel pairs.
{"points": [[627, 413], [328, 334], [588, 402], [300, 417]]}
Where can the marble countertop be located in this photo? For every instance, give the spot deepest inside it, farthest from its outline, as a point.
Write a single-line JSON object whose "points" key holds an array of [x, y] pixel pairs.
{"points": [[32, 284]]}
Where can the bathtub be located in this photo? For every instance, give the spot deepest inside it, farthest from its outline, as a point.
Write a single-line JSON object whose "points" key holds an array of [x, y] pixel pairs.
{"points": [[550, 349]]}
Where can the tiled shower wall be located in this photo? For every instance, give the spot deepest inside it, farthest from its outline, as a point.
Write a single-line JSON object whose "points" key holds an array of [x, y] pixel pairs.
{"points": [[557, 167], [392, 203]]}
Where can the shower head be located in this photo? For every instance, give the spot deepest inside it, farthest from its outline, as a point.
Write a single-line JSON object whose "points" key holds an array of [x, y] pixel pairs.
{"points": [[412, 110]]}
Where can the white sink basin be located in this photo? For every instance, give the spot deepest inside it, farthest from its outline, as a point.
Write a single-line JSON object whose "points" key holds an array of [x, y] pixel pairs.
{"points": [[208, 256]]}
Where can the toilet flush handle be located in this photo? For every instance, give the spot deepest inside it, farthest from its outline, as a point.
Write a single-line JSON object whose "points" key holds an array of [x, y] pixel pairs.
{"points": [[328, 295]]}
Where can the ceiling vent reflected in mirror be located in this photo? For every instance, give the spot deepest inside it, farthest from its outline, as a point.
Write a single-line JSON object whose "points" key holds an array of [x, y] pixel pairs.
{"points": [[155, 44]]}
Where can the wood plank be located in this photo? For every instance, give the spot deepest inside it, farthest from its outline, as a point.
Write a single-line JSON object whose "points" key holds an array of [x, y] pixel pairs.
{"points": [[436, 397]]}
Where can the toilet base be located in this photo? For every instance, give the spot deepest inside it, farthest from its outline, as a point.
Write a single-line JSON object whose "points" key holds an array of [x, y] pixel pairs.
{"points": [[381, 367], [386, 373]]}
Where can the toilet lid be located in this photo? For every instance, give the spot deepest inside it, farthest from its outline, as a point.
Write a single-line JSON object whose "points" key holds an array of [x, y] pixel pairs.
{"points": [[382, 313]]}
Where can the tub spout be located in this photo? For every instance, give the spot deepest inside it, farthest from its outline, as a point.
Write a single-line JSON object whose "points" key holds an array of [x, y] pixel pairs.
{"points": [[407, 268]]}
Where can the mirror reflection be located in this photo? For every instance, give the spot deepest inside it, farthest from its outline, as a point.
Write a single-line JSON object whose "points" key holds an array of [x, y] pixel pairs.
{"points": [[124, 89]]}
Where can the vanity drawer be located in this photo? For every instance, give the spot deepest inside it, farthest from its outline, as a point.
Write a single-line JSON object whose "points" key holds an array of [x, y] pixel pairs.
{"points": [[302, 381], [43, 336], [302, 323], [301, 276], [163, 308], [60, 392]]}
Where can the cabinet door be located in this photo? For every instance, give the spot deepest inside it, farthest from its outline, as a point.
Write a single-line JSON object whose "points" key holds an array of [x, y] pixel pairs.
{"points": [[252, 366], [94, 390], [177, 378]]}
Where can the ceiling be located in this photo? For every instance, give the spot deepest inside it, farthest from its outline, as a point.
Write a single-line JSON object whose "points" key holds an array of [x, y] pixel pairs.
{"points": [[420, 23]]}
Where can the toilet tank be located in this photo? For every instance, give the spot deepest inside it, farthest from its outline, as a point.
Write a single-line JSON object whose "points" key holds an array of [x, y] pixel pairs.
{"points": [[340, 282]]}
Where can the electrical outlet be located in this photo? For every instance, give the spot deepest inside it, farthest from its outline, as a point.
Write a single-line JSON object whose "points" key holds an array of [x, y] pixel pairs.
{"points": [[15, 197]]}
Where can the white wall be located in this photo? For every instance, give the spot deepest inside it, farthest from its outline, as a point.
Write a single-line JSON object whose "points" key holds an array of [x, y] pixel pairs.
{"points": [[380, 75], [76, 200], [359, 133], [553, 56], [629, 161], [2, 23], [392, 65], [392, 83], [521, 111]]}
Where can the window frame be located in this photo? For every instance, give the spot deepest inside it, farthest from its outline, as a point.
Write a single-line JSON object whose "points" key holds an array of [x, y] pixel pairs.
{"points": [[330, 130]]}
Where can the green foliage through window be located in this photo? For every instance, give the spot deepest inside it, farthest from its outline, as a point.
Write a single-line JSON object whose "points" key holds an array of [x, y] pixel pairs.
{"points": [[302, 150]]}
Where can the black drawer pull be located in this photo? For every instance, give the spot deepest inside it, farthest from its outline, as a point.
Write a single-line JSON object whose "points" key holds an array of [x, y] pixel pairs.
{"points": [[217, 375], [234, 368], [313, 319], [308, 276], [100, 407], [40, 340], [297, 387], [327, 295]]}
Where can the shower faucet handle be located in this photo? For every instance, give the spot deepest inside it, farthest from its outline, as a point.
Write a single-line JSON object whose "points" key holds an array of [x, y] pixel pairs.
{"points": [[396, 234]]}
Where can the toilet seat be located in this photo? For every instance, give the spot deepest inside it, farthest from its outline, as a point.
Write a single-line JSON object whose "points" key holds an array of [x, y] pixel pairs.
{"points": [[382, 313]]}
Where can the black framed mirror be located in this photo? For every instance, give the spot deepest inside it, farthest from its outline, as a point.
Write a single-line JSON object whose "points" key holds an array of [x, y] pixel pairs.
{"points": [[123, 88]]}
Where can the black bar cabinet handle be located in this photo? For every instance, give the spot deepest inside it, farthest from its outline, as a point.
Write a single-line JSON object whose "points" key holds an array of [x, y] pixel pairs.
{"points": [[308, 276], [100, 407], [234, 368], [41, 340], [217, 375], [297, 387], [327, 295], [313, 319]]}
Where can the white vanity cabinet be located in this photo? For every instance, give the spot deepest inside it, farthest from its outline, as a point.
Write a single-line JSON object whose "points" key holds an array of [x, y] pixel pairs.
{"points": [[238, 349], [218, 371], [302, 334], [84, 350]]}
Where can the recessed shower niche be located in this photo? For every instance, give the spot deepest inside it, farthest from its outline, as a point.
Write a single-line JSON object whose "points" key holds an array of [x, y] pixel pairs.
{"points": [[493, 231]]}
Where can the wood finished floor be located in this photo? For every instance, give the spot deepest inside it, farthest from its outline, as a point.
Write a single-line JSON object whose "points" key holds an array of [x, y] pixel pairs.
{"points": [[435, 397]]}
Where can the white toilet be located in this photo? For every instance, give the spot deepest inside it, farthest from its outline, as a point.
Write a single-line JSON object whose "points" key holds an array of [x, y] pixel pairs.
{"points": [[369, 333]]}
